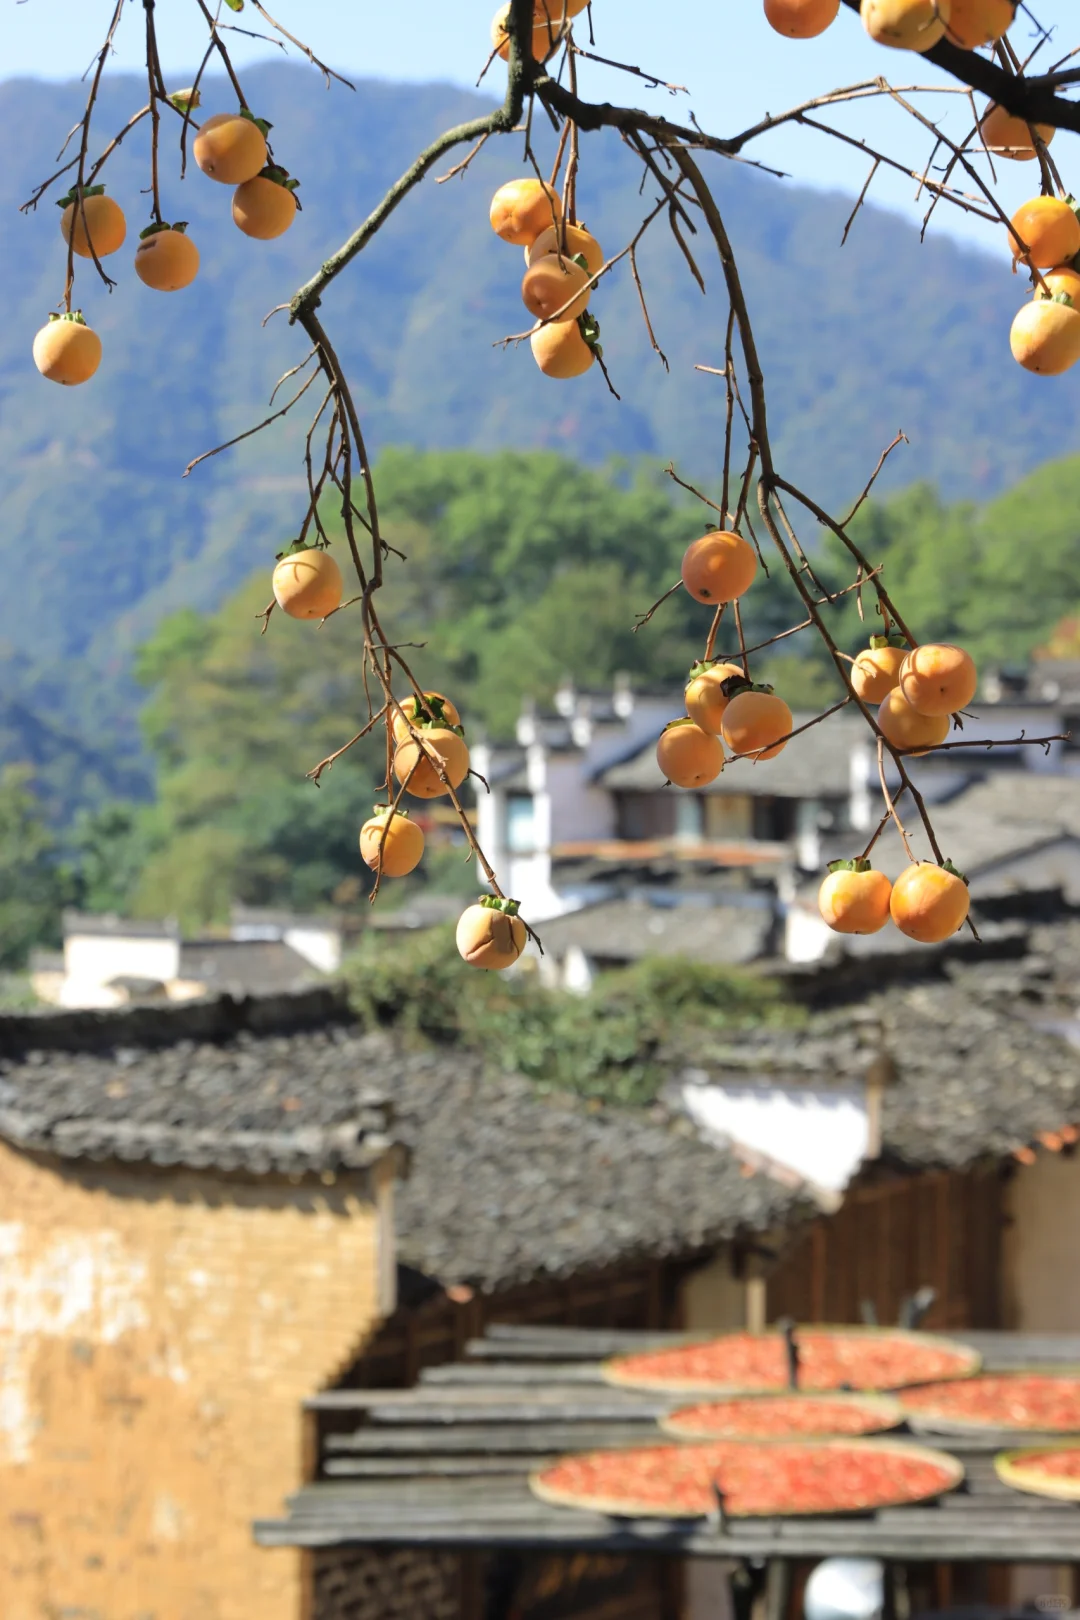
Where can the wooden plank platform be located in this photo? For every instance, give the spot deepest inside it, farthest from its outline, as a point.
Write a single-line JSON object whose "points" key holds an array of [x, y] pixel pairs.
{"points": [[446, 1464]]}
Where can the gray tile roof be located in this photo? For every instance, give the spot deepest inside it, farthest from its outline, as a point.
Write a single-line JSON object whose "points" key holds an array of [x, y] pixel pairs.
{"points": [[979, 1062], [626, 930], [504, 1184]]}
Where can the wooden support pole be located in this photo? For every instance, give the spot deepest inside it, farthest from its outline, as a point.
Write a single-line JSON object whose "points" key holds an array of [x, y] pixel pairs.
{"points": [[777, 1589]]}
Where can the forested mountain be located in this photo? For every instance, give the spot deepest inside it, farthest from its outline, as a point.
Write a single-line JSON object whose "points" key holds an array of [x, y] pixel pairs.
{"points": [[101, 537]]}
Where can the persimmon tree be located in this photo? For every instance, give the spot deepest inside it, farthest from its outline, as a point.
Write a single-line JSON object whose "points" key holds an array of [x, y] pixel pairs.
{"points": [[912, 696]]}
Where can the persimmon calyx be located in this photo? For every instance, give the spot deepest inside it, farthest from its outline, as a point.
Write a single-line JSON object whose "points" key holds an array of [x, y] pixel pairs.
{"points": [[954, 871], [186, 101], [260, 123], [280, 176], [382, 812], [300, 545], [422, 725], [703, 667], [684, 721], [430, 711], [493, 902], [859, 864], [163, 225], [589, 327], [736, 685], [79, 191], [886, 639], [75, 316], [1071, 202]]}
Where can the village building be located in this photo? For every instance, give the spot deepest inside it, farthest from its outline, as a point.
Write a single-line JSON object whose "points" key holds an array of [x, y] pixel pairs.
{"points": [[227, 1220]]}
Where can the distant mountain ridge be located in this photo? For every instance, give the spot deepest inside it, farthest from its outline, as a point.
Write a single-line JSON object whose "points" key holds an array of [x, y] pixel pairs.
{"points": [[101, 536]]}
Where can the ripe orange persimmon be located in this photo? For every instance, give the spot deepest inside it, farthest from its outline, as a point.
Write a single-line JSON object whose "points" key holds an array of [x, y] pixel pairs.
{"points": [[307, 584], [1045, 335], [705, 697], [854, 899], [929, 903], [719, 567], [490, 934], [938, 679], [973, 23], [552, 282], [104, 227], [392, 839], [264, 207], [546, 34], [1062, 280], [912, 25], [66, 350], [756, 724], [1049, 230], [435, 707], [560, 349], [906, 728], [415, 761], [688, 756], [521, 209], [230, 148], [166, 258], [876, 670], [570, 241], [1007, 136], [801, 19]]}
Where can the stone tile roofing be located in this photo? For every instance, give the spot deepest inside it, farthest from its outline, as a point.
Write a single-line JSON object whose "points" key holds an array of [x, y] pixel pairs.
{"points": [[624, 930], [503, 1184], [977, 1063]]}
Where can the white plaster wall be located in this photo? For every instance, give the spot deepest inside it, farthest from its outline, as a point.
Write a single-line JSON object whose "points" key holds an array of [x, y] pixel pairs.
{"points": [[94, 959], [319, 946]]}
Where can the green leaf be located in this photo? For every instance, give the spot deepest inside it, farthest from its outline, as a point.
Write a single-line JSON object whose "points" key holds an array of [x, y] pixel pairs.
{"points": [[235, 5]]}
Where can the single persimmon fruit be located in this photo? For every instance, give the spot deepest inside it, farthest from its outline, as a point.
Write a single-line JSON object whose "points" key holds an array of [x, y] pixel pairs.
{"points": [[801, 19], [389, 838], [688, 756], [1062, 280], [561, 349], [230, 148], [705, 697], [876, 670], [552, 282], [307, 584], [66, 350], [547, 33], [521, 209], [719, 567], [570, 241], [415, 761], [103, 227], [906, 728], [911, 25], [973, 23], [435, 707], [756, 724], [265, 207], [938, 679], [1006, 136], [854, 898], [1049, 231], [929, 903], [1045, 335], [490, 934], [166, 258]]}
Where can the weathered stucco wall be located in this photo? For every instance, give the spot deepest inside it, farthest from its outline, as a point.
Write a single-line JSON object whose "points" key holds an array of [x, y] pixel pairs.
{"points": [[158, 1333], [1042, 1245]]}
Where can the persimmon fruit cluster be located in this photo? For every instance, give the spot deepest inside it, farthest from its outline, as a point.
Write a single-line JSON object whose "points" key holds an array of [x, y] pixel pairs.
{"points": [[927, 903], [562, 259]]}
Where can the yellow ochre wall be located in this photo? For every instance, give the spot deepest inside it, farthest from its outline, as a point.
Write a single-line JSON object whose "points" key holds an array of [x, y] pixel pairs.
{"points": [[158, 1332]]}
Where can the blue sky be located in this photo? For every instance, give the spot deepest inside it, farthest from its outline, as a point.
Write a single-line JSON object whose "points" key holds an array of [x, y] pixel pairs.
{"points": [[733, 65]]}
